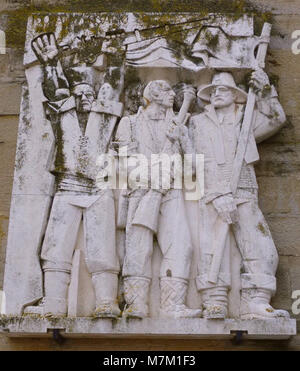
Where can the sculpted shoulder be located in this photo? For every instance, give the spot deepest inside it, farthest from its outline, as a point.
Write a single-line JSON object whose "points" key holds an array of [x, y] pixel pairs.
{"points": [[197, 120], [124, 130], [127, 120]]}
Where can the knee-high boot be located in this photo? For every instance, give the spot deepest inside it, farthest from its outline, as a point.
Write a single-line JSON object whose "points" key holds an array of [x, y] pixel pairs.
{"points": [[172, 298]]}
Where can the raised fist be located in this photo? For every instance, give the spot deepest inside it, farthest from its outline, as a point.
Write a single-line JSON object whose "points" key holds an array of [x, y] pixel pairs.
{"points": [[226, 208], [259, 80], [105, 94], [173, 132], [45, 48], [189, 93]]}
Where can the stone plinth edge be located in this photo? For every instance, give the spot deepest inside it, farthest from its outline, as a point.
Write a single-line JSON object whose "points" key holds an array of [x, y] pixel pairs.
{"points": [[29, 326]]}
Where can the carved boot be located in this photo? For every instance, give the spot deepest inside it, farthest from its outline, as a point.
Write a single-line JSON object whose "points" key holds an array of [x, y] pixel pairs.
{"points": [[172, 299], [215, 303], [54, 302], [106, 291], [136, 294], [255, 305]]}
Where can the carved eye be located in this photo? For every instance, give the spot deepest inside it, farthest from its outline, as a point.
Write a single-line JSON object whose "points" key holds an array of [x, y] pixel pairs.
{"points": [[89, 95]]}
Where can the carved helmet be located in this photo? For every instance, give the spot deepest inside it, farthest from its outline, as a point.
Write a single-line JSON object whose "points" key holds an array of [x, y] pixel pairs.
{"points": [[224, 79]]}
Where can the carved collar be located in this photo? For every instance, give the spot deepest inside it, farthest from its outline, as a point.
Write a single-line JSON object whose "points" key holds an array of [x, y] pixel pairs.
{"points": [[237, 115], [154, 114]]}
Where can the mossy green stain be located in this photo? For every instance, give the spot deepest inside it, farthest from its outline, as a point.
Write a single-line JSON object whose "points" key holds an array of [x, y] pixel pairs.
{"points": [[60, 156], [263, 229], [212, 40], [17, 19]]}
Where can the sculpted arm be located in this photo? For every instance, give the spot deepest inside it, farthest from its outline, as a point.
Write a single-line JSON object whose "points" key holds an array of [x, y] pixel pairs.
{"points": [[55, 84], [179, 131], [123, 133], [270, 116]]}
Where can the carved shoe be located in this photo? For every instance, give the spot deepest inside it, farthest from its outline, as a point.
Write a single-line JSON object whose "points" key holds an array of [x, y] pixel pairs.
{"points": [[48, 307], [107, 310], [106, 290], [215, 302], [172, 299], [136, 310], [262, 311], [37, 310], [54, 303], [136, 294], [255, 305], [215, 311]]}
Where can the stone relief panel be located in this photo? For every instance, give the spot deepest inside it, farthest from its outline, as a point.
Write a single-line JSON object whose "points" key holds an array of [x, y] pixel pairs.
{"points": [[108, 92]]}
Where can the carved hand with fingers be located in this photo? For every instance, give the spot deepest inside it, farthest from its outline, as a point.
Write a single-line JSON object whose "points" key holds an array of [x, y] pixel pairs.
{"points": [[226, 208], [259, 80], [173, 131], [189, 94], [45, 48]]}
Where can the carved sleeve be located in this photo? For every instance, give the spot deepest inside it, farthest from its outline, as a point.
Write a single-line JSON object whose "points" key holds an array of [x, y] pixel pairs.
{"points": [[55, 84], [270, 116], [123, 134]]}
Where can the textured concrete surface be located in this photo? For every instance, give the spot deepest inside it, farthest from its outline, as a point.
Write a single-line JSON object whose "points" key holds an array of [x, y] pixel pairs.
{"points": [[279, 166]]}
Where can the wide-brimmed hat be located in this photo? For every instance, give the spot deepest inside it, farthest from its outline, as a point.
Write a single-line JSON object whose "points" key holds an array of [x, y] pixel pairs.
{"points": [[224, 79]]}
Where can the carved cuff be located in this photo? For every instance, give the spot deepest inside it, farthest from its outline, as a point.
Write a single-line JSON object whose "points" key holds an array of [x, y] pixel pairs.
{"points": [[270, 94], [217, 193], [224, 280], [258, 281]]}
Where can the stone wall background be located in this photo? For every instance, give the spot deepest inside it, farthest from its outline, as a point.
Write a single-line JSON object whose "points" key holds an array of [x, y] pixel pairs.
{"points": [[278, 171]]}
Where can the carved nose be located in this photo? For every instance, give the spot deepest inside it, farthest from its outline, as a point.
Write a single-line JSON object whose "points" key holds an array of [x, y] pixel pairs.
{"points": [[84, 98]]}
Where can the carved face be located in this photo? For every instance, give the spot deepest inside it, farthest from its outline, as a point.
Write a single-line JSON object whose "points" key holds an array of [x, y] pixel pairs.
{"points": [[222, 96], [84, 97], [163, 94], [105, 92]]}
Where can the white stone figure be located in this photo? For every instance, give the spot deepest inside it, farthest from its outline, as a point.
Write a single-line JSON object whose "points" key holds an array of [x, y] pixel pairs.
{"points": [[2, 42], [82, 126], [216, 133], [158, 213]]}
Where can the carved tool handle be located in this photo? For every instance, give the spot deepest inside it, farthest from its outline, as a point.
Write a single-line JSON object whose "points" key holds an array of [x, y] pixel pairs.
{"points": [[219, 246], [240, 154], [248, 116]]}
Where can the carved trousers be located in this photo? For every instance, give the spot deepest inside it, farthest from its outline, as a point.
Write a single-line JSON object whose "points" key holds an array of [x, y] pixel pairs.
{"points": [[254, 241], [173, 238], [98, 214]]}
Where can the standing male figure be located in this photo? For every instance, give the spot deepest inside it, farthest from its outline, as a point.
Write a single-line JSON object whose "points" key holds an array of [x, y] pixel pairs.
{"points": [[82, 127], [216, 133], [162, 214]]}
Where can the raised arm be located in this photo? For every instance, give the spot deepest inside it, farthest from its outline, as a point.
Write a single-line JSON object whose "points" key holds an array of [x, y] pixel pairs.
{"points": [[55, 84], [179, 131], [270, 116]]}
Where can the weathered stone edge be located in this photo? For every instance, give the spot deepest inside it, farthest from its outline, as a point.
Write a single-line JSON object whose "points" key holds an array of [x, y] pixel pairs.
{"points": [[29, 326]]}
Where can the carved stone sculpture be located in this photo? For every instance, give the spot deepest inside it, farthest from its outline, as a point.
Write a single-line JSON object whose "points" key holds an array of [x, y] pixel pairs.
{"points": [[155, 212], [216, 133], [77, 120], [137, 256]]}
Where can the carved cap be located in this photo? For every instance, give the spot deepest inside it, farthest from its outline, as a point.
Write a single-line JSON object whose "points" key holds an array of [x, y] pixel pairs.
{"points": [[224, 79]]}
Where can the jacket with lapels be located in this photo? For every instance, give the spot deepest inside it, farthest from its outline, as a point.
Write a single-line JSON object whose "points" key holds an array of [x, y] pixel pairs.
{"points": [[218, 142]]}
